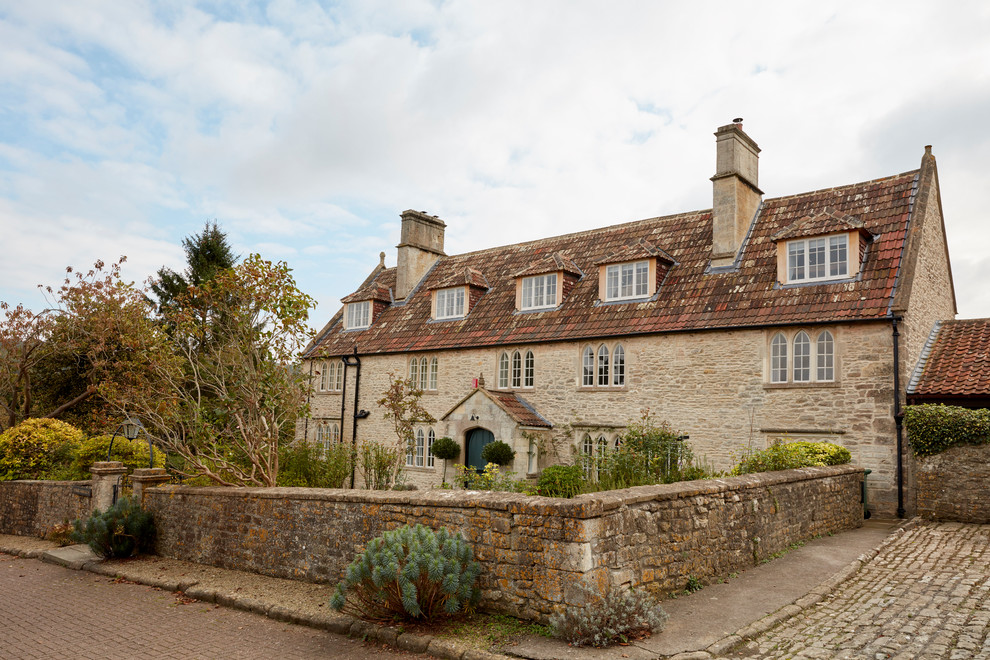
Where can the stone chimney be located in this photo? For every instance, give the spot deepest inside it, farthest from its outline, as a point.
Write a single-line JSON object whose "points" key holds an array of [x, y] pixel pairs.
{"points": [[420, 245], [736, 191]]}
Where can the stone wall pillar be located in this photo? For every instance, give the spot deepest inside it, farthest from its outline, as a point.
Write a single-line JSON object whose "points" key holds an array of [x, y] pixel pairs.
{"points": [[106, 475], [143, 478]]}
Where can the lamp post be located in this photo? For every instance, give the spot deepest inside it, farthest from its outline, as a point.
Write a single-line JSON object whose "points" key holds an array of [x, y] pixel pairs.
{"points": [[130, 428]]}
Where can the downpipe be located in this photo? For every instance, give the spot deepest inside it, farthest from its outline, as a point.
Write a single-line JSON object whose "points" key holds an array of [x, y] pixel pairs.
{"points": [[898, 418]]}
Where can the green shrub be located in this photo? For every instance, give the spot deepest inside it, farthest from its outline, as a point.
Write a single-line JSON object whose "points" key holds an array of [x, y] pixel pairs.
{"points": [[491, 478], [410, 572], [120, 531], [447, 449], [561, 481], [377, 461], [615, 616], [498, 452], [132, 453], [39, 449], [306, 465], [787, 456], [934, 428]]}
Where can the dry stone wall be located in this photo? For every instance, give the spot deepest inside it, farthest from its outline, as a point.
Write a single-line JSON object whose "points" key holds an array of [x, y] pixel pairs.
{"points": [[955, 485], [32, 508], [533, 550]]}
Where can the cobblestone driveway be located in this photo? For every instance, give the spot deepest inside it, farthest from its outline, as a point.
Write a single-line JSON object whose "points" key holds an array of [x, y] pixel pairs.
{"points": [[52, 612], [925, 595]]}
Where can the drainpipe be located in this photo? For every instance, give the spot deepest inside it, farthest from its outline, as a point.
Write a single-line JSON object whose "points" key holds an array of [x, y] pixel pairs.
{"points": [[357, 389], [343, 398], [898, 418]]}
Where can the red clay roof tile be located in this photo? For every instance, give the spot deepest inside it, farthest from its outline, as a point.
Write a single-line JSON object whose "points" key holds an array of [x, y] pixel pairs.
{"points": [[959, 361], [689, 298]]}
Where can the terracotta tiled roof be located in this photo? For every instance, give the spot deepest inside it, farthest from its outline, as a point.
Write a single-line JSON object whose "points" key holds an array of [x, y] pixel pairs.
{"points": [[376, 291], [518, 409], [958, 361], [828, 221], [640, 249], [550, 264], [688, 299], [468, 276]]}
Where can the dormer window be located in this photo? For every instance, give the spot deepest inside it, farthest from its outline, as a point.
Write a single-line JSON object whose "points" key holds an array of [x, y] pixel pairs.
{"points": [[823, 247], [449, 303], [816, 259], [627, 281], [632, 272], [539, 292], [357, 316]]}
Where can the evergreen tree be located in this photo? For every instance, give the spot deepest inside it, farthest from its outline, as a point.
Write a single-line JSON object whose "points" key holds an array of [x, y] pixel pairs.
{"points": [[207, 253]]}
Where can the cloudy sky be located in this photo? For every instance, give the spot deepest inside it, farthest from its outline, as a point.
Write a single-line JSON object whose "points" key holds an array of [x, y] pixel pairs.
{"points": [[305, 128]]}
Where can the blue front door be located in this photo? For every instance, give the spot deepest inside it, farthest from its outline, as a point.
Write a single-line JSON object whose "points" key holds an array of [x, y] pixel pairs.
{"points": [[476, 440]]}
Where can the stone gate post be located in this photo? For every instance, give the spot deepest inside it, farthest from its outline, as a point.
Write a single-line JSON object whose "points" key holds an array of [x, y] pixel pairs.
{"points": [[143, 478], [106, 475]]}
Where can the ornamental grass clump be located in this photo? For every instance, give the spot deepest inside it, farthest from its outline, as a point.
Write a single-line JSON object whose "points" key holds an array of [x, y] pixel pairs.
{"points": [[410, 573], [616, 616]]}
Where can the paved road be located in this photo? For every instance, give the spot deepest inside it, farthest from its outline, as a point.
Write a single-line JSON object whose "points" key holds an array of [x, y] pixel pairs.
{"points": [[50, 612], [925, 595]]}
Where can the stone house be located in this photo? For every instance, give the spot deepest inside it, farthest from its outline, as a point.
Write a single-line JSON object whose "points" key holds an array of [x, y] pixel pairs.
{"points": [[794, 317]]}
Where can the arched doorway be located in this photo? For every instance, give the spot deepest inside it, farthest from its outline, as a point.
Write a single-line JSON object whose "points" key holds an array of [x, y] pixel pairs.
{"points": [[476, 441]]}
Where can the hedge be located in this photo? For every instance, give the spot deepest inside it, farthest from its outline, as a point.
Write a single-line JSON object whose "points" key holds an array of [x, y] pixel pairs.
{"points": [[934, 428]]}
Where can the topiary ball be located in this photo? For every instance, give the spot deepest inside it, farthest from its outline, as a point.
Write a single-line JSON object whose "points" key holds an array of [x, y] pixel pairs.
{"points": [[498, 452]]}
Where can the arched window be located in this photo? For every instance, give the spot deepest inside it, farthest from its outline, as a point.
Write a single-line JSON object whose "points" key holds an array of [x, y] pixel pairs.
{"points": [[602, 365], [321, 435], [587, 449], [802, 357], [334, 433], [528, 369], [423, 373], [324, 376], [420, 447], [338, 383], [826, 356], [778, 359], [588, 367], [414, 372], [434, 368], [411, 454], [619, 366], [600, 455], [430, 437], [516, 369], [503, 371]]}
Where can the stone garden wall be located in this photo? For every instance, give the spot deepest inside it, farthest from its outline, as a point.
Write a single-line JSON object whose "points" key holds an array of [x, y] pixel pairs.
{"points": [[32, 508], [533, 550], [955, 485]]}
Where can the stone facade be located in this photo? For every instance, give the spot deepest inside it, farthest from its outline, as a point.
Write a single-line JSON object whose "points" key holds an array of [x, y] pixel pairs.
{"points": [[532, 550], [955, 485], [726, 408], [697, 345]]}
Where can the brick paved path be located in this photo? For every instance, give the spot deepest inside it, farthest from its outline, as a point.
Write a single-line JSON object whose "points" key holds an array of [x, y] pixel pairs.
{"points": [[925, 595], [49, 612]]}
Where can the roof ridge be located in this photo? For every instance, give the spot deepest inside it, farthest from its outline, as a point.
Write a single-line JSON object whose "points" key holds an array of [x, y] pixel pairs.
{"points": [[913, 172]]}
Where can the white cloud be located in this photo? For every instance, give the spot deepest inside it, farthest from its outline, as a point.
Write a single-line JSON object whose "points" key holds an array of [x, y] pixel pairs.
{"points": [[306, 129]]}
